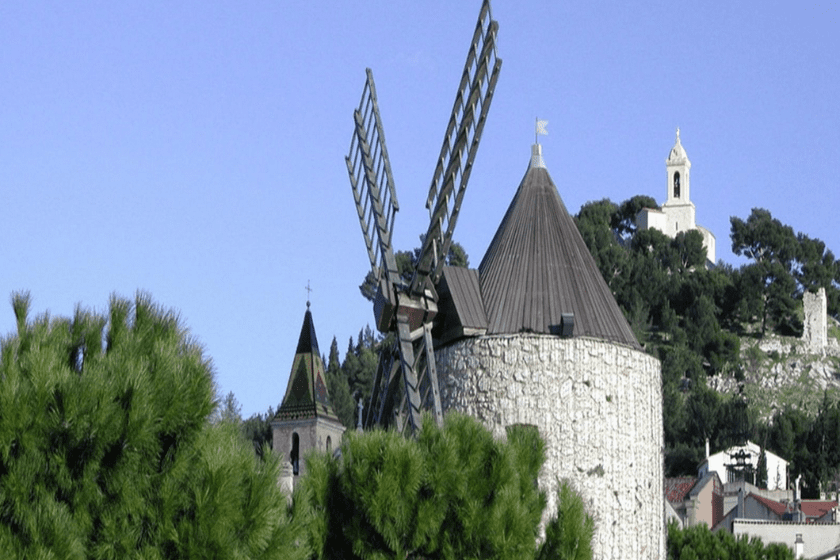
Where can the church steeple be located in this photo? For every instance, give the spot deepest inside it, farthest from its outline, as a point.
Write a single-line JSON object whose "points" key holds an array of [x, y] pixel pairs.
{"points": [[306, 394], [306, 419], [678, 166]]}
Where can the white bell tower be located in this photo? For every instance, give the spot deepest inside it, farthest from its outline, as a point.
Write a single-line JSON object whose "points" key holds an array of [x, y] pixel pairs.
{"points": [[678, 166], [678, 206], [677, 214]]}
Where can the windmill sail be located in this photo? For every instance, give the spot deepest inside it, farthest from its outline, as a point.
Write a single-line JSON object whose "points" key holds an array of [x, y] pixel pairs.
{"points": [[406, 382], [460, 144], [375, 196]]}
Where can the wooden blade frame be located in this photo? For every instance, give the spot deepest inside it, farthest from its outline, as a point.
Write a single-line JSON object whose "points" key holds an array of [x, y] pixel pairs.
{"points": [[460, 144], [376, 198], [410, 363]]}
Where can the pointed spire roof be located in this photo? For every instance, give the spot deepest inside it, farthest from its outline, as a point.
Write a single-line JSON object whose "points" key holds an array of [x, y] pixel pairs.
{"points": [[538, 267], [306, 393]]}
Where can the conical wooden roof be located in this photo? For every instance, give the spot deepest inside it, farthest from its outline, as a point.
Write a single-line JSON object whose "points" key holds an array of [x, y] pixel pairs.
{"points": [[538, 267], [306, 394]]}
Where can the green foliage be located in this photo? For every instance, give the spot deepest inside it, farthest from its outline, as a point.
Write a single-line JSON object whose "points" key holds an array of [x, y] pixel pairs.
{"points": [[834, 331], [107, 451], [257, 429], [229, 410], [623, 219], [568, 536], [761, 469], [593, 222], [691, 317], [699, 543], [811, 442], [339, 388], [359, 368], [454, 492], [784, 264]]}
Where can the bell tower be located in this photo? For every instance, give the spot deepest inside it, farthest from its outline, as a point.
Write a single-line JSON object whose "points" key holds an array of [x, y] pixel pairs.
{"points": [[678, 167], [678, 208], [677, 214], [305, 420]]}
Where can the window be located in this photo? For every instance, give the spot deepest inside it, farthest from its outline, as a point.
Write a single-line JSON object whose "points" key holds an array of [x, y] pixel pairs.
{"points": [[329, 444], [676, 184], [295, 455]]}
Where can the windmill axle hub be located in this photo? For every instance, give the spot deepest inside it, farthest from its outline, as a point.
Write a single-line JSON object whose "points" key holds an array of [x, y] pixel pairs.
{"points": [[417, 310]]}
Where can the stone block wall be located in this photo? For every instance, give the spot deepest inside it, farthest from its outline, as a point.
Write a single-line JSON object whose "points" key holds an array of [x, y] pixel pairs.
{"points": [[597, 405], [313, 433], [815, 334]]}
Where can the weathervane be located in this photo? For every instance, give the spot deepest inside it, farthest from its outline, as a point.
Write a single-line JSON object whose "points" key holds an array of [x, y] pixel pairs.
{"points": [[536, 149], [540, 129]]}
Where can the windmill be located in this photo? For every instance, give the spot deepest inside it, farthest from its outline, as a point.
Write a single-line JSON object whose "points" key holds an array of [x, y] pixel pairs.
{"points": [[405, 383]]}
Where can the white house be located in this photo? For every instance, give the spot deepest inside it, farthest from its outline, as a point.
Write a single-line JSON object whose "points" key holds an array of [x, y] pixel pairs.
{"points": [[721, 462]]}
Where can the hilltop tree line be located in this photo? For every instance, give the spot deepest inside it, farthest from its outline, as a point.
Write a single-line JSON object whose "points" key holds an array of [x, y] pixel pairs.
{"points": [[692, 317]]}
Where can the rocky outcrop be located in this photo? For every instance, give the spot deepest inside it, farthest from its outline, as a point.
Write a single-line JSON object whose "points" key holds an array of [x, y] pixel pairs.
{"points": [[780, 371]]}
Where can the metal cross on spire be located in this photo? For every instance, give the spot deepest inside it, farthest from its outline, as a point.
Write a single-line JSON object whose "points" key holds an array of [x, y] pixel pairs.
{"points": [[308, 291]]}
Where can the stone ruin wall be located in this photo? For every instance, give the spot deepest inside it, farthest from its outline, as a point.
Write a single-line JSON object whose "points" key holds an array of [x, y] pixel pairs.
{"points": [[815, 334], [597, 405], [814, 339]]}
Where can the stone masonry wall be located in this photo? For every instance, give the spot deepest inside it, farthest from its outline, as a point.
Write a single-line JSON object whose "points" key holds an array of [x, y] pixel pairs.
{"points": [[312, 434], [597, 405], [815, 334]]}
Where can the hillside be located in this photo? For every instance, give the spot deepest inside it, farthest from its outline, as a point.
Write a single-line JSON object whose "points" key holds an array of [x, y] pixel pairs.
{"points": [[780, 371]]}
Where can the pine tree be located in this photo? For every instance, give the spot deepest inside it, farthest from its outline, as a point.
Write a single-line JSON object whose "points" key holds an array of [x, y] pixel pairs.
{"points": [[454, 492], [107, 451], [568, 536], [700, 543], [257, 429]]}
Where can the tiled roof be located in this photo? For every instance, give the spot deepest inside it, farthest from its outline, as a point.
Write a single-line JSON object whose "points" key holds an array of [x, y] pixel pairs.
{"points": [[776, 507], [538, 267], [811, 508], [306, 394], [817, 508], [676, 489]]}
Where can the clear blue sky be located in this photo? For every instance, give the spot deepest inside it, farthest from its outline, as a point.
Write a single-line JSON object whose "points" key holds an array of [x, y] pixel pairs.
{"points": [[195, 149]]}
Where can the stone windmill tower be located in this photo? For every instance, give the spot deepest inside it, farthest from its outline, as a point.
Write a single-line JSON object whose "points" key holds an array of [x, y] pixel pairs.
{"points": [[534, 336], [544, 343]]}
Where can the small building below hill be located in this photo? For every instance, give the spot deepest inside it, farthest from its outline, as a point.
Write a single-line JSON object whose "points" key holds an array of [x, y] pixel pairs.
{"points": [[730, 463], [677, 214], [806, 540], [809, 527], [695, 500]]}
